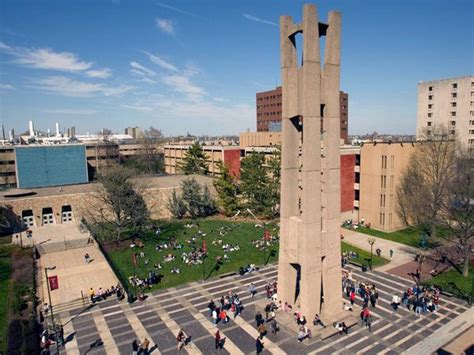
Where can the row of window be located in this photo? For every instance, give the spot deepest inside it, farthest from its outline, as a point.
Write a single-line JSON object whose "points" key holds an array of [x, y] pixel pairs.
{"points": [[276, 104], [276, 113], [384, 161], [453, 86], [383, 181], [270, 97], [382, 200], [382, 219]]}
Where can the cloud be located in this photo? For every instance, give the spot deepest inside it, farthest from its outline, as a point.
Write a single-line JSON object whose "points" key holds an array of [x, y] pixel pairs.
{"points": [[99, 73], [72, 112], [74, 88], [6, 87], [138, 108], [141, 70], [256, 19], [46, 58], [165, 25], [182, 84], [161, 62], [175, 9]]}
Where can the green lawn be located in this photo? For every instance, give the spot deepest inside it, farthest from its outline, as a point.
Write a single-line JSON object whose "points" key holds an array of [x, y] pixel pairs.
{"points": [[364, 256], [241, 234], [5, 271], [453, 276]]}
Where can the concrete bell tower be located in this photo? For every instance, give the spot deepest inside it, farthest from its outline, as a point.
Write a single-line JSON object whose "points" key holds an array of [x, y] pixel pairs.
{"points": [[309, 271]]}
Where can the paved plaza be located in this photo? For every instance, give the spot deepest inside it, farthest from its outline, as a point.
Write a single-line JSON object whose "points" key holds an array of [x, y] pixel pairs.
{"points": [[110, 326]]}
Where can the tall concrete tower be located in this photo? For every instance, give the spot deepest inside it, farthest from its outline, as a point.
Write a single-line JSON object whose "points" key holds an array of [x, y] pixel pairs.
{"points": [[309, 271]]}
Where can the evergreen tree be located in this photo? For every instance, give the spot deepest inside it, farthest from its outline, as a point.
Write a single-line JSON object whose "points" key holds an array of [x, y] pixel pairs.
{"points": [[208, 206], [227, 191], [194, 161], [176, 205], [255, 185], [192, 197]]}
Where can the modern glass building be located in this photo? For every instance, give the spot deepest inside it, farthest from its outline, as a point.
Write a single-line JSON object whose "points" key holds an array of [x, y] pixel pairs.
{"points": [[41, 166]]}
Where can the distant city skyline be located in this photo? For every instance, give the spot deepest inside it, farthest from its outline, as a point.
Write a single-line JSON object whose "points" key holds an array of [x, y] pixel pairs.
{"points": [[195, 66]]}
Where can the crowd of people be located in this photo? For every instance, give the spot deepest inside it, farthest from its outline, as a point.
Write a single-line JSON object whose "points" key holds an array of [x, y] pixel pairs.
{"points": [[102, 295], [228, 303], [419, 299]]}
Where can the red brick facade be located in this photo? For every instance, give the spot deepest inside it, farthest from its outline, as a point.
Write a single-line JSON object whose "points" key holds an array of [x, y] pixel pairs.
{"points": [[347, 182], [232, 160]]}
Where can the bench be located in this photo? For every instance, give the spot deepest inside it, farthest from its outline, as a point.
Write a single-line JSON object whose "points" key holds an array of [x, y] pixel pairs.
{"points": [[329, 331]]}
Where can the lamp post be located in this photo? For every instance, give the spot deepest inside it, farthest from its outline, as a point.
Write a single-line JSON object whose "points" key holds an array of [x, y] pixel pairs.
{"points": [[371, 241], [50, 268]]}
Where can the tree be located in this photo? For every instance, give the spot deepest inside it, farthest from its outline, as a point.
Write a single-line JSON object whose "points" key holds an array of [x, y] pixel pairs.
{"points": [[424, 186], [194, 161], [9, 221], [120, 206], [256, 186], [149, 160], [227, 190], [457, 213], [176, 205], [194, 201], [274, 174]]}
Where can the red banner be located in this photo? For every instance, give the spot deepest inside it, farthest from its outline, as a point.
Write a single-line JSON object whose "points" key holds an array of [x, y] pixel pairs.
{"points": [[53, 283], [134, 259]]}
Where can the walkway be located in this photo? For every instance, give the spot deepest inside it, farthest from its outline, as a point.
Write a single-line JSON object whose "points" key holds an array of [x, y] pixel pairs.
{"points": [[402, 254], [110, 326]]}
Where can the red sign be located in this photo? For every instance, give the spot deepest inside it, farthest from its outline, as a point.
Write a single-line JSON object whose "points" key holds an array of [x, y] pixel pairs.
{"points": [[204, 246], [266, 234], [53, 283]]}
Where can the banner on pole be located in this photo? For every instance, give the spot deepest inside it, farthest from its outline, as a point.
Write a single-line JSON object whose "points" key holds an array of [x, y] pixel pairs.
{"points": [[53, 282]]}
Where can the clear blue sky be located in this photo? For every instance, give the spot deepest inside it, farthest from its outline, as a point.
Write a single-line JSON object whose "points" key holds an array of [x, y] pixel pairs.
{"points": [[195, 66]]}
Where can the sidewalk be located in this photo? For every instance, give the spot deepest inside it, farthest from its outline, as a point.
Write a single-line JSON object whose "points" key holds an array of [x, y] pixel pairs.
{"points": [[402, 254], [445, 334]]}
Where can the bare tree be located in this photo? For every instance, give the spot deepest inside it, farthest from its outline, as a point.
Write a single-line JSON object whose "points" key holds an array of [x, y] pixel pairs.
{"points": [[424, 186], [151, 160], [117, 206], [457, 214]]}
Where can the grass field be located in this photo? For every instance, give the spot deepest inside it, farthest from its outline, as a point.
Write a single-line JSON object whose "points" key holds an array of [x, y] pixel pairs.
{"points": [[241, 234], [364, 256], [445, 279], [5, 271]]}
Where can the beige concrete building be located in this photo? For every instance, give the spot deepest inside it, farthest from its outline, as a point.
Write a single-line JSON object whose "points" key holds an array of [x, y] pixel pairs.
{"points": [[447, 102], [309, 266], [174, 155], [68, 204], [381, 167], [259, 139], [7, 166]]}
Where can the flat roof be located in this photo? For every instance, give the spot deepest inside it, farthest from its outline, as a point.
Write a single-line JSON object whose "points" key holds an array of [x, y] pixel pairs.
{"points": [[149, 182]]}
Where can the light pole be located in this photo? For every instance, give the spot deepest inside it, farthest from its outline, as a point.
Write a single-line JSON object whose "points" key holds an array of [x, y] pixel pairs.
{"points": [[371, 241], [51, 305]]}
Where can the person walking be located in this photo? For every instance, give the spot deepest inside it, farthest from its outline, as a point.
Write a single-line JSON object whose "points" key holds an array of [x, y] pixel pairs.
{"points": [[262, 330], [252, 290], [87, 258], [391, 253], [275, 327], [218, 339], [135, 347], [258, 319], [181, 339], [259, 344], [144, 346]]}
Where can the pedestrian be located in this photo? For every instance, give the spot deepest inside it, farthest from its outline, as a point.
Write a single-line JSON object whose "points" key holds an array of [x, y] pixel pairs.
{"points": [[144, 346], [223, 316], [87, 258], [391, 253], [262, 330], [395, 302], [217, 338], [214, 316], [135, 347], [252, 290], [275, 327], [92, 294], [258, 319], [378, 251], [181, 339], [352, 297], [259, 344]]}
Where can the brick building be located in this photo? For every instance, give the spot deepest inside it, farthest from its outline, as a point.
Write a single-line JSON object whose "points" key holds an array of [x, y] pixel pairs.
{"points": [[268, 106]]}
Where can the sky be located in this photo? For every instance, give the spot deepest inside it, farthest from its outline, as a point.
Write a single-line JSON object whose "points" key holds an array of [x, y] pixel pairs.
{"points": [[194, 66]]}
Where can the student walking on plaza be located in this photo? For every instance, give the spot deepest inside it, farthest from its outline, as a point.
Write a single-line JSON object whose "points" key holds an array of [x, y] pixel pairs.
{"points": [[252, 290], [181, 338], [144, 346], [219, 340], [135, 347], [259, 344]]}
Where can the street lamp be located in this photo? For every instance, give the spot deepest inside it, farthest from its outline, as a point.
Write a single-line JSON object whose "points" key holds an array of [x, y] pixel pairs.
{"points": [[371, 241], [46, 269]]}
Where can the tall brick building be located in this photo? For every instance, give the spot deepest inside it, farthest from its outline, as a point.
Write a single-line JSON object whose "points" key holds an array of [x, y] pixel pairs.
{"points": [[269, 111]]}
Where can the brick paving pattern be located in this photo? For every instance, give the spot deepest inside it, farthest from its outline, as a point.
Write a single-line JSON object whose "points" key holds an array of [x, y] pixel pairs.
{"points": [[110, 326]]}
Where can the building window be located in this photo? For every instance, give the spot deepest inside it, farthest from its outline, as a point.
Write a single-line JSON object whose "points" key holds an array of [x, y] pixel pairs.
{"points": [[430, 88], [453, 104], [452, 132], [454, 95], [384, 162], [472, 113], [454, 85], [453, 113], [430, 106], [471, 131], [392, 161], [391, 181], [389, 219], [429, 123], [430, 97], [453, 123], [430, 114], [383, 181]]}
